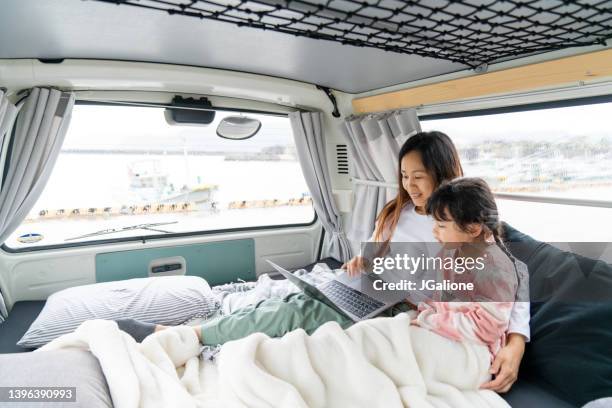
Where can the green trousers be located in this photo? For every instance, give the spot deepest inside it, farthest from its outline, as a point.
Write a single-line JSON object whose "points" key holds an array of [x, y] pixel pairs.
{"points": [[275, 317]]}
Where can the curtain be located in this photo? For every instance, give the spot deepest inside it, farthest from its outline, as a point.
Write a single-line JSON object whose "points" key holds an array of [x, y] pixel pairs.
{"points": [[3, 311], [39, 133], [8, 112], [310, 145], [374, 142]]}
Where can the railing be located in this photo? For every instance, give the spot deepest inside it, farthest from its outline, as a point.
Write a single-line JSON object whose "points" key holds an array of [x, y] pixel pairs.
{"points": [[554, 200], [515, 197]]}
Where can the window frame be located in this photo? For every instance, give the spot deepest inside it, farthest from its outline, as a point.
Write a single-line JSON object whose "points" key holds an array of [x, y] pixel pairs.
{"points": [[134, 104], [145, 238], [565, 103]]}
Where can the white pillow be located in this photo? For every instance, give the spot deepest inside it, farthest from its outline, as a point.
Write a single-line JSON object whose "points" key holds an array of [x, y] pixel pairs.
{"points": [[167, 300]]}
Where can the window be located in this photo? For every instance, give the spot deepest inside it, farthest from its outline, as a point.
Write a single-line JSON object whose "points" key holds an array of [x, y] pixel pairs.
{"points": [[124, 172], [556, 152]]}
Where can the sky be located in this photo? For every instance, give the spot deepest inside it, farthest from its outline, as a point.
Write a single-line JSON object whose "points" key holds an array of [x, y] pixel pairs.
{"points": [[555, 124]]}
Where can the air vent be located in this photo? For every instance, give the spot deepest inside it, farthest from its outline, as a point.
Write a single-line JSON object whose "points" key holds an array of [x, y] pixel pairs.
{"points": [[342, 159]]}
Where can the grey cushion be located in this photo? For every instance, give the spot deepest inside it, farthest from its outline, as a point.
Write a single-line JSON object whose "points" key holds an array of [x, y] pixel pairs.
{"points": [[57, 368], [527, 394], [167, 300], [570, 352]]}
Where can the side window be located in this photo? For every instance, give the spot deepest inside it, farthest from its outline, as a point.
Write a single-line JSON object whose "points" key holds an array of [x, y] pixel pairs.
{"points": [[124, 172], [556, 153]]}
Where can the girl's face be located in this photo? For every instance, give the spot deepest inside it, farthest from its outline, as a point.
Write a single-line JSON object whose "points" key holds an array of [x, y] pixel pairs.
{"points": [[417, 182], [449, 232]]}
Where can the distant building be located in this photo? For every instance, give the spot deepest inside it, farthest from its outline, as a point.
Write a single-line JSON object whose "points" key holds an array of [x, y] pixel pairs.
{"points": [[471, 153]]}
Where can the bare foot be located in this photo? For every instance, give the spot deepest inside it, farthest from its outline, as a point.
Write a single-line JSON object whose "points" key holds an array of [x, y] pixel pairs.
{"points": [[196, 329], [198, 332], [159, 327]]}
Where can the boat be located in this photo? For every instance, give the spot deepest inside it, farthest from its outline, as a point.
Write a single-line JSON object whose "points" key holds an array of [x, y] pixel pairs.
{"points": [[150, 182]]}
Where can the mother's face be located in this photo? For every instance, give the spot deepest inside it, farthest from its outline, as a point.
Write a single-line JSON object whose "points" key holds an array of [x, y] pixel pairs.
{"points": [[416, 180]]}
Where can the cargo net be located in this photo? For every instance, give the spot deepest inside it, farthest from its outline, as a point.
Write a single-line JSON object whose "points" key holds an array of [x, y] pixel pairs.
{"points": [[467, 32]]}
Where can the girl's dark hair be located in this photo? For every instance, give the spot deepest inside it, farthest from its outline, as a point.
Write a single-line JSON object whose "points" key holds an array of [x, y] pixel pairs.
{"points": [[441, 160], [467, 200]]}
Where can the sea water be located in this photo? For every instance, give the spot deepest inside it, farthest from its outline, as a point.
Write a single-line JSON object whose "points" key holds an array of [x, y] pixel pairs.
{"points": [[94, 180]]}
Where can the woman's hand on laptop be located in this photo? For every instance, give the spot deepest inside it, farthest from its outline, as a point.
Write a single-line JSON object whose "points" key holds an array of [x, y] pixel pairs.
{"points": [[355, 266]]}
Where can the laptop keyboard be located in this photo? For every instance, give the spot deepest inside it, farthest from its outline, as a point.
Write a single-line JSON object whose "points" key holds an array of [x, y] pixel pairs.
{"points": [[357, 303]]}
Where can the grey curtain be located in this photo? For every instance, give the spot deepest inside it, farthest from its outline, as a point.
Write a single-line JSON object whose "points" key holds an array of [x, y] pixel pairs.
{"points": [[374, 142], [8, 112], [3, 311], [39, 133], [308, 135]]}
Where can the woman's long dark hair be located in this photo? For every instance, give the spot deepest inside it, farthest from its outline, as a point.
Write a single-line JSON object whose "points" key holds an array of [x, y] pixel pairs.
{"points": [[441, 160], [466, 201]]}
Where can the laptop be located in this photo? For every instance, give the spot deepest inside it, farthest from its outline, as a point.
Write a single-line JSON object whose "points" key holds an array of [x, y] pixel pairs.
{"points": [[350, 297]]}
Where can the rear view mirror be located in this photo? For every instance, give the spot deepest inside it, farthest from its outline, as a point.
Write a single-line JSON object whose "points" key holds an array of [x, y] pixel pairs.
{"points": [[238, 127]]}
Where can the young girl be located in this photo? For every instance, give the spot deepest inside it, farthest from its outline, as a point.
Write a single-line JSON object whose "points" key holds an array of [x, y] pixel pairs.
{"points": [[468, 225]]}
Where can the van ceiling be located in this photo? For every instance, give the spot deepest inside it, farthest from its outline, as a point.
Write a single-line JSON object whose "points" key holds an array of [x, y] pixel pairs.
{"points": [[470, 32], [57, 29], [152, 31]]}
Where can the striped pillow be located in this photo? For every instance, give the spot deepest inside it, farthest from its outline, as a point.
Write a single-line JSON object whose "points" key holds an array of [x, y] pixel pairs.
{"points": [[167, 300]]}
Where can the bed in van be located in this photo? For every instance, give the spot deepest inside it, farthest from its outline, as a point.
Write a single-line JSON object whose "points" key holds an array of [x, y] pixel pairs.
{"points": [[187, 142]]}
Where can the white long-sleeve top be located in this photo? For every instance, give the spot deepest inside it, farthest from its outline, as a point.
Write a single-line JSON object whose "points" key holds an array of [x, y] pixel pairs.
{"points": [[414, 227]]}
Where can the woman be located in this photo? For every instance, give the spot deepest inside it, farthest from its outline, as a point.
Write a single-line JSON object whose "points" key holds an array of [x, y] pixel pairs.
{"points": [[426, 160]]}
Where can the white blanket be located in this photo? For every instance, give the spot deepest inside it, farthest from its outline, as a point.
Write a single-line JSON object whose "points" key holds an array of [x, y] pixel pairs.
{"points": [[382, 362], [234, 296]]}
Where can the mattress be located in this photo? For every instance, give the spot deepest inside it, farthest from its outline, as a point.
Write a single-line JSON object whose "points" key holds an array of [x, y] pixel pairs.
{"points": [[20, 317], [23, 314]]}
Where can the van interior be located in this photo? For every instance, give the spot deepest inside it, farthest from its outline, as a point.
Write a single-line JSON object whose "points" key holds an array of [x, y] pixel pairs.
{"points": [[146, 139]]}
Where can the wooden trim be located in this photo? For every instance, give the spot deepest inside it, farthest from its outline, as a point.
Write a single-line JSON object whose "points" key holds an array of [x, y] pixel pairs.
{"points": [[586, 67]]}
